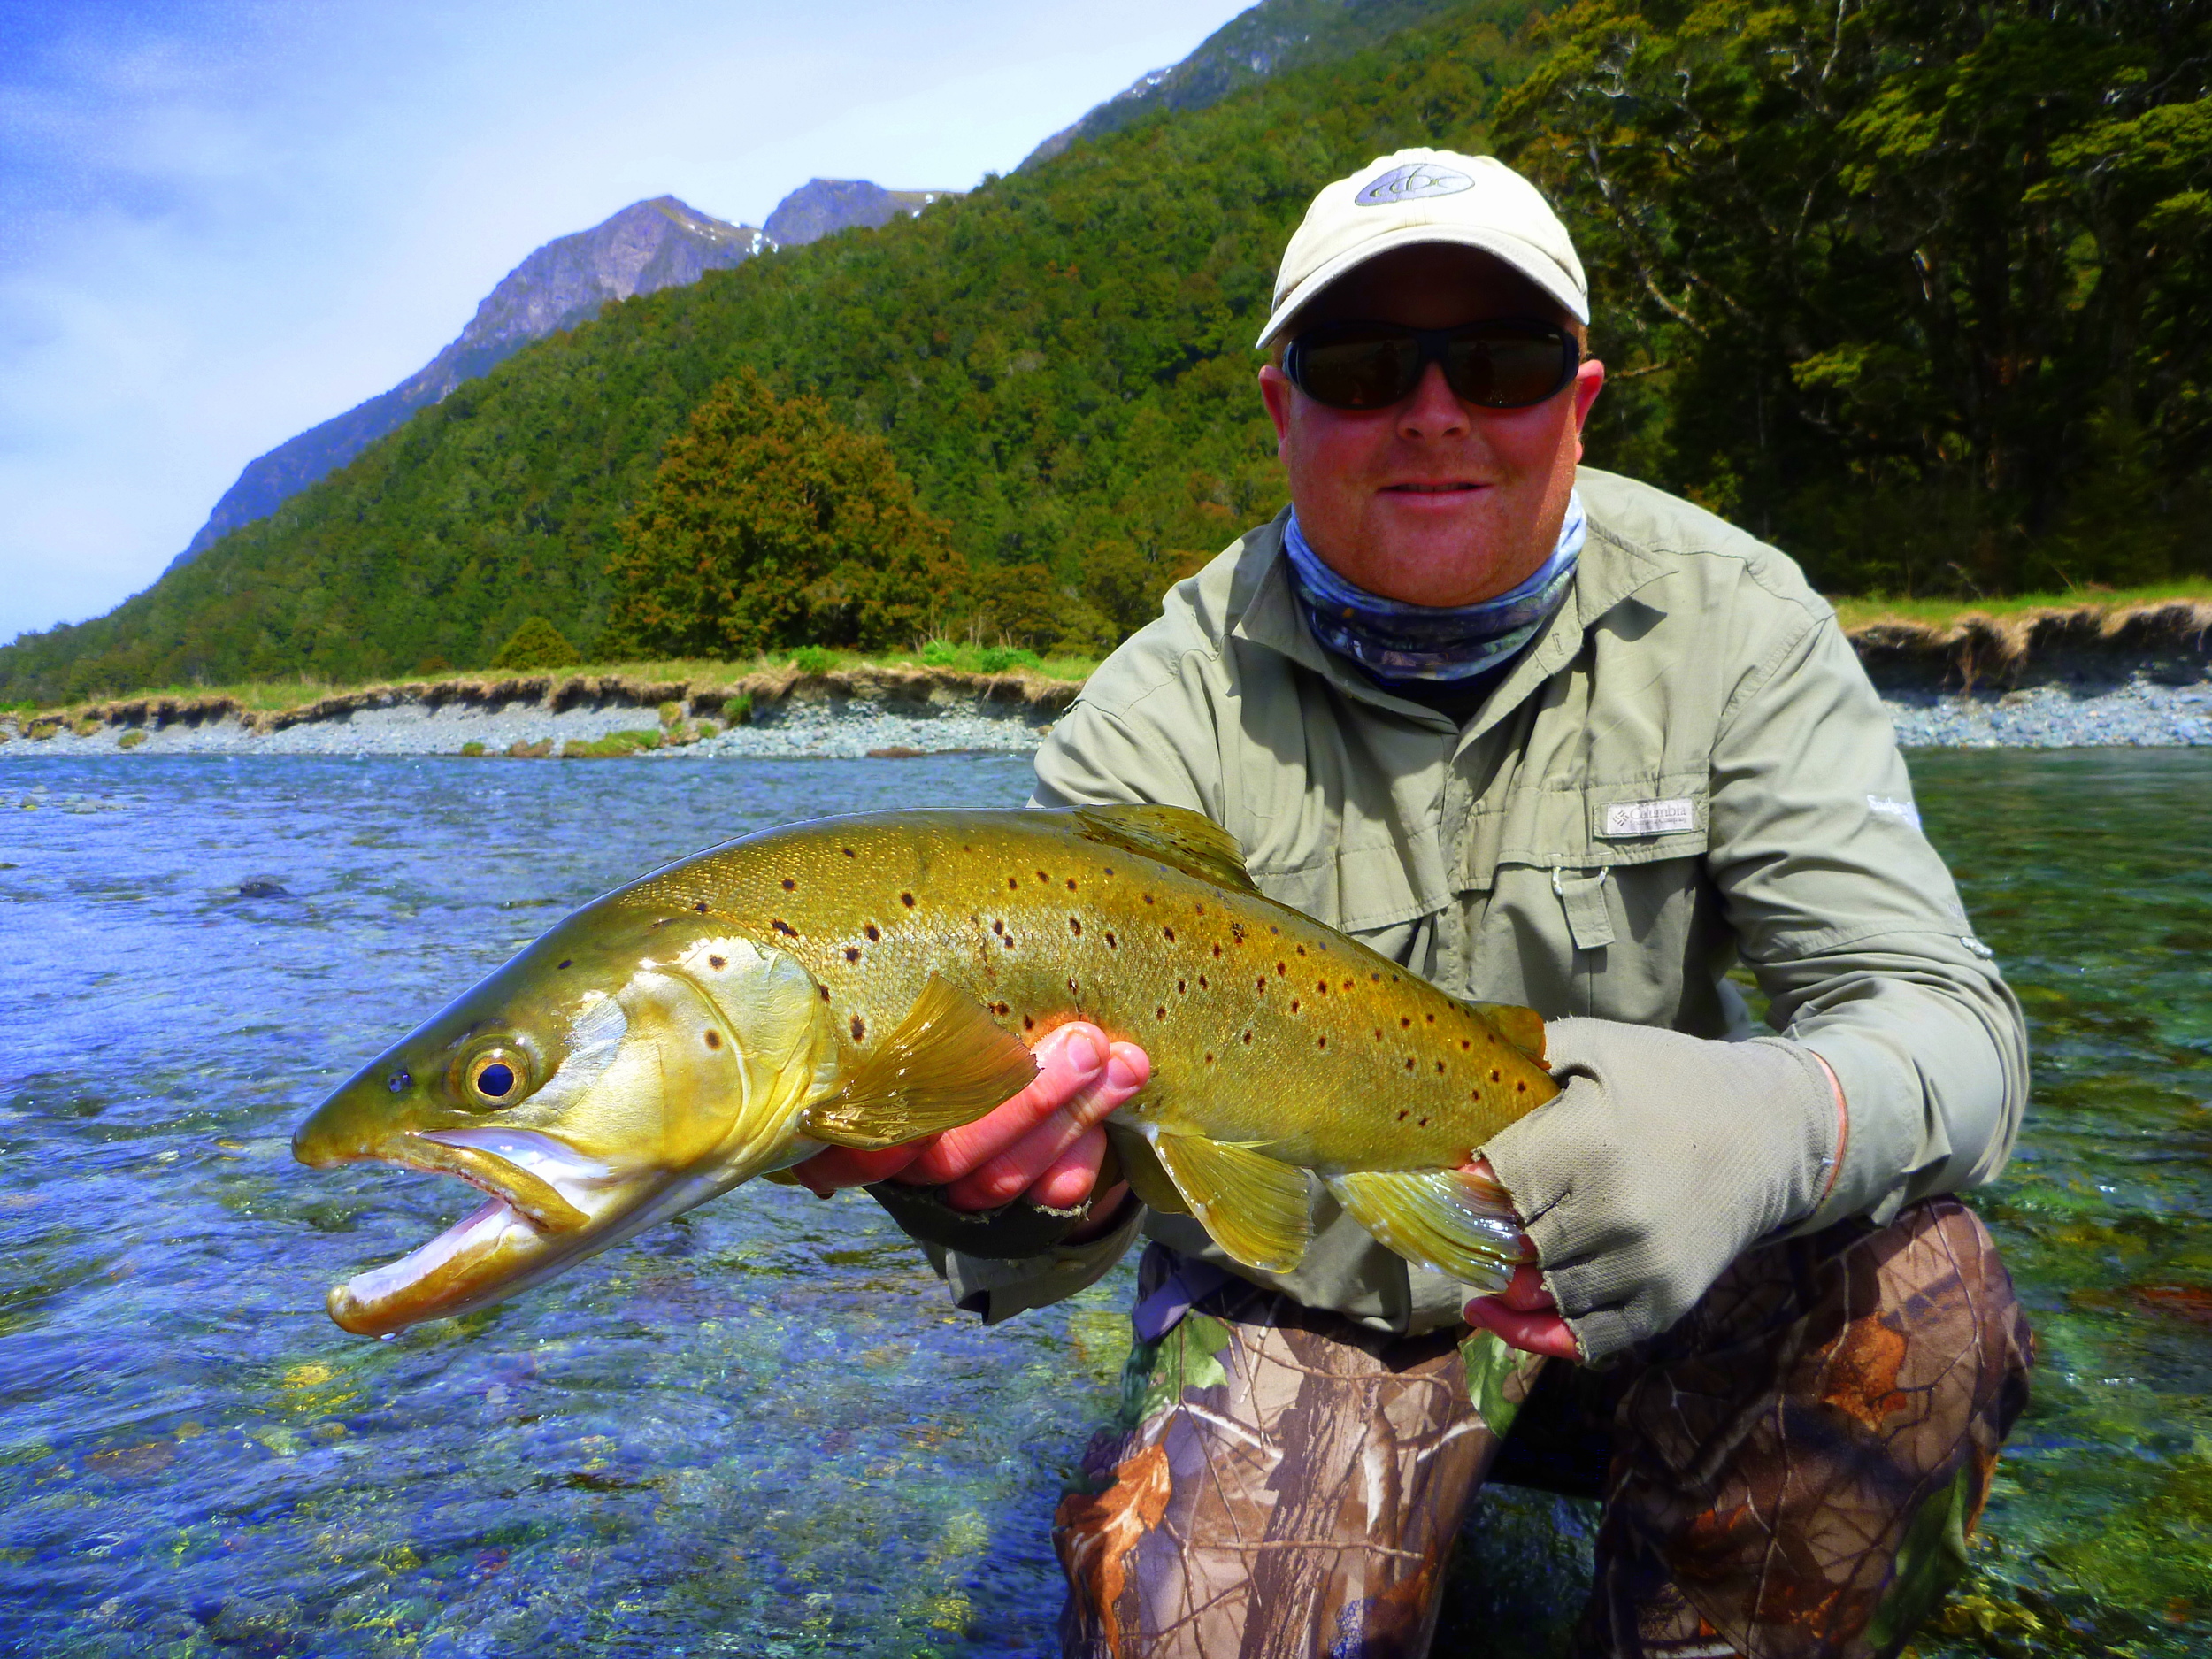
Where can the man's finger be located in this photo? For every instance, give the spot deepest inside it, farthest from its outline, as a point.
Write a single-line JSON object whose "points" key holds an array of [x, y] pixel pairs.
{"points": [[1070, 1060], [833, 1167], [1068, 1181], [1002, 1178], [1545, 1333], [1525, 1292]]}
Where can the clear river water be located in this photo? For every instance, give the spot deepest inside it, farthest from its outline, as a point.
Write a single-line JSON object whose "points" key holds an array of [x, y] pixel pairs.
{"points": [[761, 1430]]}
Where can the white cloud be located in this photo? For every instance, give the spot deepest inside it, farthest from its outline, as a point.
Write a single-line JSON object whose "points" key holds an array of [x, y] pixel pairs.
{"points": [[222, 222]]}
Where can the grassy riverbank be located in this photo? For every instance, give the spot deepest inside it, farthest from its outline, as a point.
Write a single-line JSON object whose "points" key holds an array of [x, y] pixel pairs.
{"points": [[1887, 626]]}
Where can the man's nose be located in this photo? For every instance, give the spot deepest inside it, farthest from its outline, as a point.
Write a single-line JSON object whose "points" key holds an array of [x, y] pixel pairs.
{"points": [[1433, 410]]}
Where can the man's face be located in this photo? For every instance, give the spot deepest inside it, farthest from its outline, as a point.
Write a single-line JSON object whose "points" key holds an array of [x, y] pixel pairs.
{"points": [[1432, 501]]}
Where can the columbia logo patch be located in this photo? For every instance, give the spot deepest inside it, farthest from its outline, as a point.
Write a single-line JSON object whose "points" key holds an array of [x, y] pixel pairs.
{"points": [[1411, 182], [1649, 818]]}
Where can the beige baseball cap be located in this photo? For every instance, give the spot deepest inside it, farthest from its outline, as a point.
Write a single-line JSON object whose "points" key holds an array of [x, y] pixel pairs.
{"points": [[1416, 196]]}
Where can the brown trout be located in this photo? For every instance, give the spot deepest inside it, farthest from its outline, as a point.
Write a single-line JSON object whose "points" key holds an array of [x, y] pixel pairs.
{"points": [[864, 981]]}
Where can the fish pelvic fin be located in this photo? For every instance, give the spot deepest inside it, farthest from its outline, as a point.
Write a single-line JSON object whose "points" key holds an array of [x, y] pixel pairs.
{"points": [[1140, 1168], [1189, 841], [947, 1064], [1455, 1223], [1522, 1027], [1256, 1208]]}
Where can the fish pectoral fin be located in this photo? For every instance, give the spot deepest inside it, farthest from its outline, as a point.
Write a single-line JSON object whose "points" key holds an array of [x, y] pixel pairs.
{"points": [[1457, 1224], [1522, 1027], [1193, 842], [947, 1064], [1256, 1208], [1140, 1168]]}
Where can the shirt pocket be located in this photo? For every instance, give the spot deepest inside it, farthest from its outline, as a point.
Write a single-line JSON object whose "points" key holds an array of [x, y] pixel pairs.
{"points": [[1579, 866]]}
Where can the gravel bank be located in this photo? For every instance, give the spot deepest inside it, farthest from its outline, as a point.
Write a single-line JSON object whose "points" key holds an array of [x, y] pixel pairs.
{"points": [[2138, 713], [837, 730]]}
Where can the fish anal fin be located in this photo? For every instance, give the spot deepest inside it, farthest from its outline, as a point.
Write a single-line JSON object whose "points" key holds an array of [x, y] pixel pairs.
{"points": [[1457, 1224], [1522, 1027], [1191, 841], [1256, 1208], [947, 1064]]}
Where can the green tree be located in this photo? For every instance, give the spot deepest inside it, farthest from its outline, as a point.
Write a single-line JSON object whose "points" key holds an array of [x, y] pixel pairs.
{"points": [[1895, 270], [769, 525], [537, 643]]}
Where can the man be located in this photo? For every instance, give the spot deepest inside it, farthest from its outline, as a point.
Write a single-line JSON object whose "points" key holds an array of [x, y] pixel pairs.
{"points": [[1549, 737]]}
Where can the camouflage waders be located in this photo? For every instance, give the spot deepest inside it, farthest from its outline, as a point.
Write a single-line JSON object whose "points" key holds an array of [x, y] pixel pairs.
{"points": [[1791, 1470]]}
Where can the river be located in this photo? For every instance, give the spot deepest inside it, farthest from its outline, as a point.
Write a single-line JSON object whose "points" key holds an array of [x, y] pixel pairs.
{"points": [[760, 1430]]}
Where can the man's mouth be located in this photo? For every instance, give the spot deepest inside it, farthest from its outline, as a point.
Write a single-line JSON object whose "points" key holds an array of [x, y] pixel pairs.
{"points": [[1452, 486]]}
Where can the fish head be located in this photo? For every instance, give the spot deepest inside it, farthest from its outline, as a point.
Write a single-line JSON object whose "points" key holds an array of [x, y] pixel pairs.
{"points": [[624, 1067]]}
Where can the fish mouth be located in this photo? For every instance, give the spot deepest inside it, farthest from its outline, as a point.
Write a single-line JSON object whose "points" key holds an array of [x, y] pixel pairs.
{"points": [[545, 1199]]}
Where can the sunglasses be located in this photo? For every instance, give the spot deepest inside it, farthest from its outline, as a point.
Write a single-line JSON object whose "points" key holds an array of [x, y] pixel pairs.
{"points": [[1503, 363]]}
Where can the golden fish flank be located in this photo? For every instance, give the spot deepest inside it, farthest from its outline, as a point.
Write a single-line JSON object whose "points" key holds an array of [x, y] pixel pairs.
{"points": [[862, 981]]}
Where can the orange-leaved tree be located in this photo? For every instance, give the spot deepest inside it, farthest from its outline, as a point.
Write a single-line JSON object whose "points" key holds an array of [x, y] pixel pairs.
{"points": [[769, 525]]}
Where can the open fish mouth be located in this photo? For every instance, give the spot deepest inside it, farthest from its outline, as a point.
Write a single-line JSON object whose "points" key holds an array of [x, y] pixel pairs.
{"points": [[543, 1198]]}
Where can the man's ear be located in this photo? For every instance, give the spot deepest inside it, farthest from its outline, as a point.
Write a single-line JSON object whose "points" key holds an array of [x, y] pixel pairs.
{"points": [[1589, 382], [1276, 391]]}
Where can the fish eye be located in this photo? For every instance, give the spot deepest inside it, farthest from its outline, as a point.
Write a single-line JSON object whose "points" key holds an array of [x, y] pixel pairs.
{"points": [[498, 1077], [399, 1081]]}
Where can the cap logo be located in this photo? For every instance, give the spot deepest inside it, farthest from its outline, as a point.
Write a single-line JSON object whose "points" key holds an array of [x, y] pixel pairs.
{"points": [[1415, 179]]}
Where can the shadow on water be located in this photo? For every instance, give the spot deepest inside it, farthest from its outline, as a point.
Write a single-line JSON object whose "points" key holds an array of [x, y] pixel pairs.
{"points": [[760, 1430]]}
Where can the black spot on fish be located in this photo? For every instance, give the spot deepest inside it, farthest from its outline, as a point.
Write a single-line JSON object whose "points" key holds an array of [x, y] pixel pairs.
{"points": [[1070, 884], [1293, 1004], [1109, 870], [859, 1029], [700, 907], [714, 1038], [1464, 1045], [1493, 1074], [1202, 981], [1424, 1122], [998, 925], [1404, 1115], [873, 932], [1323, 1043], [1403, 1022], [1248, 1039], [1409, 1063], [1013, 885], [1261, 983], [849, 852], [1148, 898], [1199, 908], [852, 953], [1281, 968], [568, 962], [1274, 930], [790, 885], [1431, 1019], [1181, 986], [1301, 950], [1008, 941], [1075, 926], [1210, 1059], [784, 927], [1000, 1009], [1216, 952], [907, 898], [1168, 933], [1348, 984], [1520, 1085], [1112, 942], [1236, 932], [1029, 1022], [1043, 876], [718, 962], [824, 990], [1160, 1012], [1440, 1068], [1321, 987]]}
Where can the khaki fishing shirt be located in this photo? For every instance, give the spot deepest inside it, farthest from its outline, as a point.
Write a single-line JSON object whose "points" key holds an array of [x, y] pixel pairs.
{"points": [[1686, 770]]}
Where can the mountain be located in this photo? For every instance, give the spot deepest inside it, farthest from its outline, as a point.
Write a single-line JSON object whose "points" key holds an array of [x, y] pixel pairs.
{"points": [[1060, 361], [1272, 37], [647, 247], [821, 207]]}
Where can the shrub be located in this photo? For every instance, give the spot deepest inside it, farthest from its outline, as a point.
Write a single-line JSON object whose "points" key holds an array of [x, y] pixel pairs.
{"points": [[811, 659], [537, 643], [997, 659]]}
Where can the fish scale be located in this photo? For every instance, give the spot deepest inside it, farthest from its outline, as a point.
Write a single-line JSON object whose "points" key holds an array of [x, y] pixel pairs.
{"points": [[867, 982], [1263, 1027]]}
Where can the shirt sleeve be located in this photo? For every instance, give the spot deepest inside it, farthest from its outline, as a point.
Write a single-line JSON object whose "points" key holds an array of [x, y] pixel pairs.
{"points": [[1852, 926]]}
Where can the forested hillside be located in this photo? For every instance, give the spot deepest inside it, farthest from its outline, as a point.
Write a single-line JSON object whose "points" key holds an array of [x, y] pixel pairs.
{"points": [[1909, 287]]}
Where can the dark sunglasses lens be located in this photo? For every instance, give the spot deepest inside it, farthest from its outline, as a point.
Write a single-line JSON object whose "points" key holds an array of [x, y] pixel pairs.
{"points": [[1359, 370], [1508, 368]]}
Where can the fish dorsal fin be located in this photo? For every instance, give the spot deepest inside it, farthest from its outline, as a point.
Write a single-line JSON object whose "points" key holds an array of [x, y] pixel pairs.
{"points": [[1522, 1027], [1449, 1220], [1256, 1208], [947, 1064], [1193, 842]]}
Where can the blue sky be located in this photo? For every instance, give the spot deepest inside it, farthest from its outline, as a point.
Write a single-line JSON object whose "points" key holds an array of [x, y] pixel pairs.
{"points": [[222, 222]]}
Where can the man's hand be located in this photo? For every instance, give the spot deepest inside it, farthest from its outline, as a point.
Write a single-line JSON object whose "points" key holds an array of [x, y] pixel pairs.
{"points": [[1044, 1142], [1523, 1315]]}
